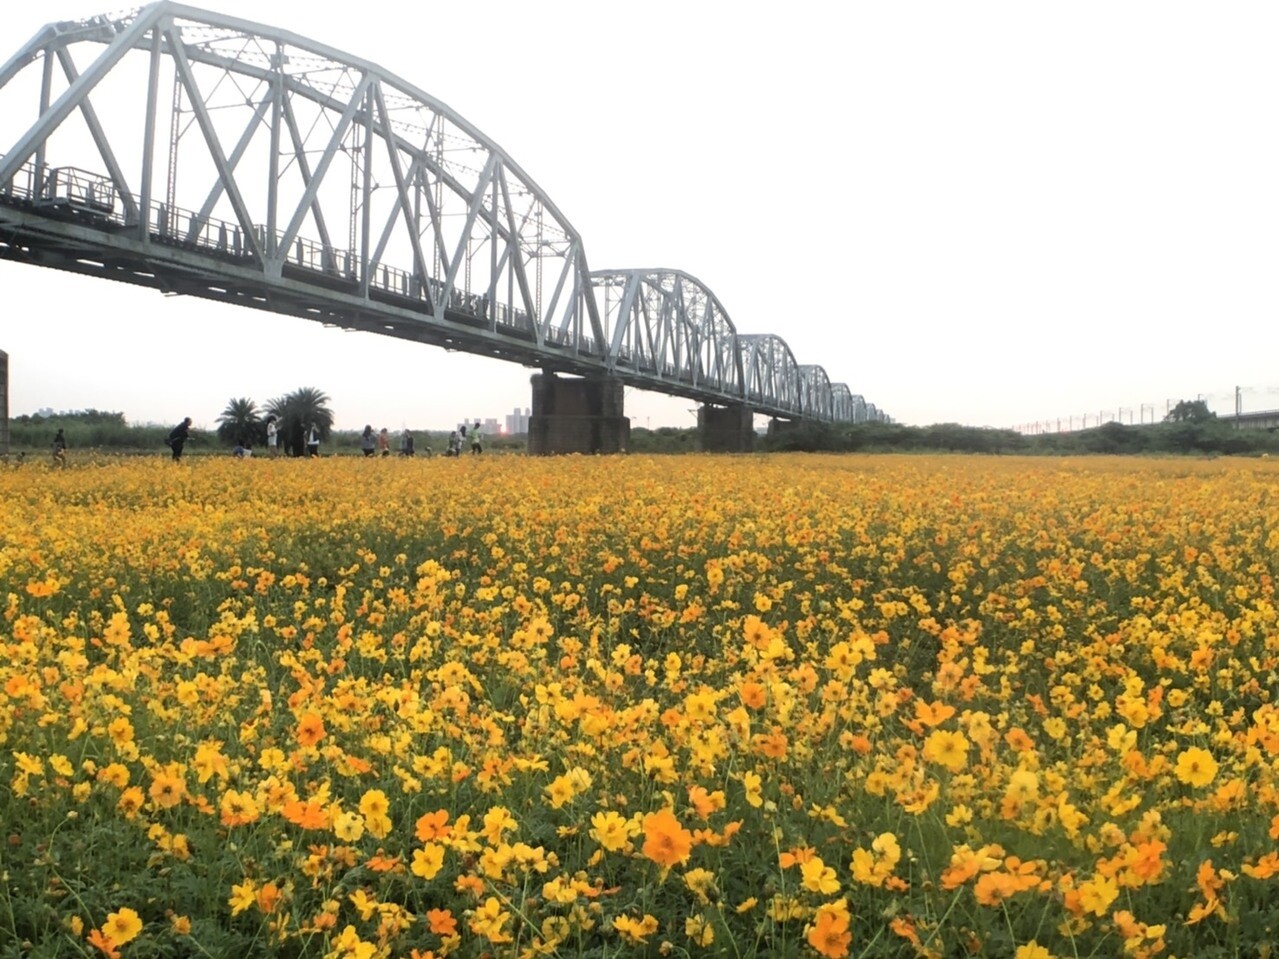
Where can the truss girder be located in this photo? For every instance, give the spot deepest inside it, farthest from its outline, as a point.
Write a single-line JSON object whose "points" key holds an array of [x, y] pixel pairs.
{"points": [[841, 401], [284, 159], [815, 392], [669, 325], [264, 130]]}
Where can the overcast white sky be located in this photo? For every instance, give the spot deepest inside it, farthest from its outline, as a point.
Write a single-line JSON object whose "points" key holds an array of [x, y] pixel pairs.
{"points": [[983, 212]]}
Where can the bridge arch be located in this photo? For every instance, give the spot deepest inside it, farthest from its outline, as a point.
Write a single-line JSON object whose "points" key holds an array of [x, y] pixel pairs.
{"points": [[300, 161], [772, 375], [668, 324], [841, 399], [263, 168], [815, 392]]}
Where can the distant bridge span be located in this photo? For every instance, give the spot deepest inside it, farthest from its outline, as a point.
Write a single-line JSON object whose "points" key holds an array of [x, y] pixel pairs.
{"points": [[202, 154]]}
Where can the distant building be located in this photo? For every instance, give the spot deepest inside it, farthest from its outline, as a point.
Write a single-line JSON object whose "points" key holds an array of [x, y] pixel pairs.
{"points": [[517, 422]]}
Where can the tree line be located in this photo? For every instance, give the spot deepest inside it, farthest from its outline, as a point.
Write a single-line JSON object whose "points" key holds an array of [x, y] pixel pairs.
{"points": [[1189, 428]]}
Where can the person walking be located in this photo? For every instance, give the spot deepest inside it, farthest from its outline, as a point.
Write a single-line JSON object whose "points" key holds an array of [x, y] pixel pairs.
{"points": [[272, 435], [178, 437], [406, 443], [368, 442], [312, 440], [384, 443], [477, 439], [59, 448]]}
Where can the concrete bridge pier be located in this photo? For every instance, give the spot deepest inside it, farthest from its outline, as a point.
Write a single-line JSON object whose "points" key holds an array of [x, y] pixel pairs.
{"points": [[779, 427], [572, 414], [725, 429], [4, 404]]}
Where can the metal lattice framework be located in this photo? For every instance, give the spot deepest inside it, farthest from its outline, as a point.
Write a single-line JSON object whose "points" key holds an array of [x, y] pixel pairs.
{"points": [[667, 325], [245, 163]]}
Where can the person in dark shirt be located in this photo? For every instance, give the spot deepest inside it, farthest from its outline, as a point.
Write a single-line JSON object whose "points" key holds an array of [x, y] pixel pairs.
{"points": [[178, 437]]}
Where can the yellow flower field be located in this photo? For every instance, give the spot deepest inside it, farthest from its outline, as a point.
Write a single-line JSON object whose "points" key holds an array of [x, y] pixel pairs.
{"points": [[724, 706]]}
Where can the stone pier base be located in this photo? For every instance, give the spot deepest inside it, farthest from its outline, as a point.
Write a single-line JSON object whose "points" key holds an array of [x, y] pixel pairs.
{"points": [[577, 415], [4, 404], [776, 426], [726, 429]]}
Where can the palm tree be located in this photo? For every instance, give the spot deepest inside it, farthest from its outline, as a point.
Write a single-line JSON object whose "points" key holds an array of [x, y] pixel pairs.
{"points": [[240, 423], [296, 411]]}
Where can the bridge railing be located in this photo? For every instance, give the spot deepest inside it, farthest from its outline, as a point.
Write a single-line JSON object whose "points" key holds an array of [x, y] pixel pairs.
{"points": [[63, 186], [84, 192], [92, 199]]}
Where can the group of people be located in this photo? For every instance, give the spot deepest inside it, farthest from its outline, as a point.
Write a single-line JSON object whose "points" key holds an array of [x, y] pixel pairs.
{"points": [[371, 443], [460, 435], [379, 444], [175, 440]]}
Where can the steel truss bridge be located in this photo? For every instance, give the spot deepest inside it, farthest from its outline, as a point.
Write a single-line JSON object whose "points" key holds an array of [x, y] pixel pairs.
{"points": [[206, 155]]}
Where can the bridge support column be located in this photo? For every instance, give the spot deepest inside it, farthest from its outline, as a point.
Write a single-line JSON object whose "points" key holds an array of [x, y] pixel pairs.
{"points": [[777, 427], [577, 415], [725, 429], [4, 404]]}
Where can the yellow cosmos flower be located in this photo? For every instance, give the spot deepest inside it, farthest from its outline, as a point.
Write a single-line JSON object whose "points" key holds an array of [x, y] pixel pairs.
{"points": [[348, 826], [428, 861], [1196, 767], [818, 877], [699, 931], [635, 931], [1096, 895], [490, 920], [947, 748], [374, 803], [243, 896], [122, 926], [612, 830]]}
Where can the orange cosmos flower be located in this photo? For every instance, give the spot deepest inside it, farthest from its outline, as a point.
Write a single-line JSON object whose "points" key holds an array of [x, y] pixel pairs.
{"points": [[933, 714], [442, 922], [310, 730], [829, 933], [796, 857], [103, 943], [167, 790], [380, 862], [773, 744], [238, 808], [268, 897], [753, 695], [993, 888], [307, 814], [1148, 862], [666, 842]]}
